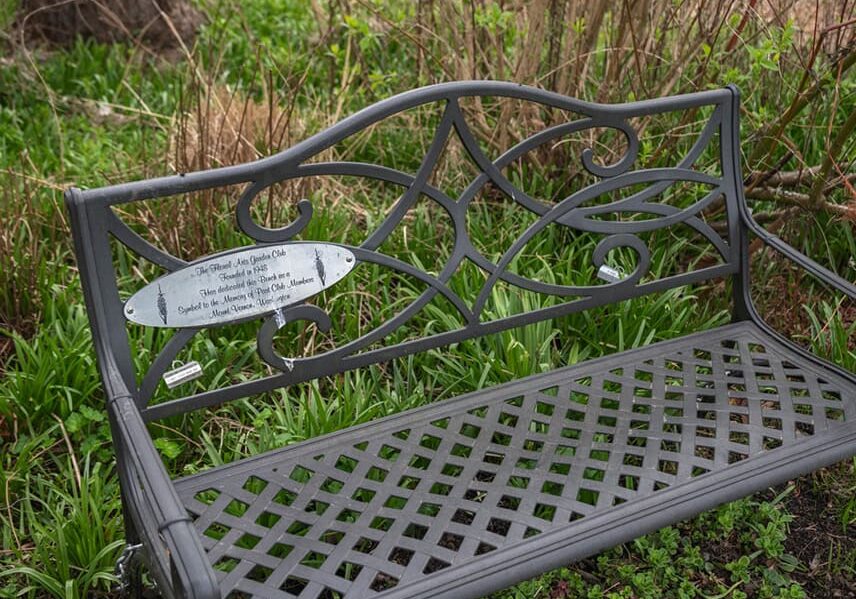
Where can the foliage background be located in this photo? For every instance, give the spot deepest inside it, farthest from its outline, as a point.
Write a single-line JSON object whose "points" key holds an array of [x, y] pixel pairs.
{"points": [[260, 76]]}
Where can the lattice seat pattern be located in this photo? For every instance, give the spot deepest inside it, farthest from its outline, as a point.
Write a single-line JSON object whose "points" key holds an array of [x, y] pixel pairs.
{"points": [[384, 504]]}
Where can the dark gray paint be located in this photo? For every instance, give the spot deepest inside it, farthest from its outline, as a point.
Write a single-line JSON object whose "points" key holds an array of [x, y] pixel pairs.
{"points": [[156, 510]]}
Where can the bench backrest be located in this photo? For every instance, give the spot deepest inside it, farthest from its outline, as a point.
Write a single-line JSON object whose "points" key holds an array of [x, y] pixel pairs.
{"points": [[631, 212]]}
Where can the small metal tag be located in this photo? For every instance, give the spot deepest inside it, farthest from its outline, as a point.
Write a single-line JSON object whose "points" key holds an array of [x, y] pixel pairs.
{"points": [[183, 374], [279, 318], [609, 274]]}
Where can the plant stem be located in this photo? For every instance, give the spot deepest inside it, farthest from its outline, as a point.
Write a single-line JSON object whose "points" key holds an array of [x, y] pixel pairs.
{"points": [[816, 193], [802, 200], [766, 143]]}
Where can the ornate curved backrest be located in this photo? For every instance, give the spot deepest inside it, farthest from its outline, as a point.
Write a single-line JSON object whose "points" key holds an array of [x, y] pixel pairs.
{"points": [[619, 204]]}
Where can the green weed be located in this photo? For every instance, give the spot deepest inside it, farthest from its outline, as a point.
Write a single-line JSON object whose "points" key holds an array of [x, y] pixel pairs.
{"points": [[266, 74]]}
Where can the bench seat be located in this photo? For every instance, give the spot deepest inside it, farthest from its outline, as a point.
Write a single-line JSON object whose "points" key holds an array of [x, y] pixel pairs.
{"points": [[510, 481], [470, 495]]}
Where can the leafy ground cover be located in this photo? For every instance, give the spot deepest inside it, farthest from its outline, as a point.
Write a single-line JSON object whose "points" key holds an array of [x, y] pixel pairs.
{"points": [[263, 75]]}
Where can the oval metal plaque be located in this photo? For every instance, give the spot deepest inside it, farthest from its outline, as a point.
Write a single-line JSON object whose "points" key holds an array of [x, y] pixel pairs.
{"points": [[240, 284]]}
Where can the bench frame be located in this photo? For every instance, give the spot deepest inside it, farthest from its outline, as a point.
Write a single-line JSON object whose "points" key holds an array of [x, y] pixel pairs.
{"points": [[155, 516]]}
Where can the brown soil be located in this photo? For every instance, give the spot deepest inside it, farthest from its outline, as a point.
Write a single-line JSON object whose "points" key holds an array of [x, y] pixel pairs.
{"points": [[817, 536], [158, 24]]}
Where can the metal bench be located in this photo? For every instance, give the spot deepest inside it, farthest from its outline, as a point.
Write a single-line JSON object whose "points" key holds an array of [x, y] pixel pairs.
{"points": [[473, 494]]}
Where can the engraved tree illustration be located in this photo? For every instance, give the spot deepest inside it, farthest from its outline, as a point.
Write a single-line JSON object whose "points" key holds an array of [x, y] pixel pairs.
{"points": [[161, 305]]}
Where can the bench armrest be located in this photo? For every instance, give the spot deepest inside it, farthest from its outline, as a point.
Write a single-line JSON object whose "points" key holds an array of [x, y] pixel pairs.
{"points": [[175, 554], [813, 268], [173, 550]]}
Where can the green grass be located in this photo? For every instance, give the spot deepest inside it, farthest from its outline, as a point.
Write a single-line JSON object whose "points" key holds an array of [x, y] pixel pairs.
{"points": [[677, 562], [60, 519]]}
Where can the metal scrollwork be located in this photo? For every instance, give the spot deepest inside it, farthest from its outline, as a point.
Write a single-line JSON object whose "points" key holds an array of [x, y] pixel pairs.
{"points": [[580, 211], [620, 240], [276, 321], [264, 234], [626, 160]]}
